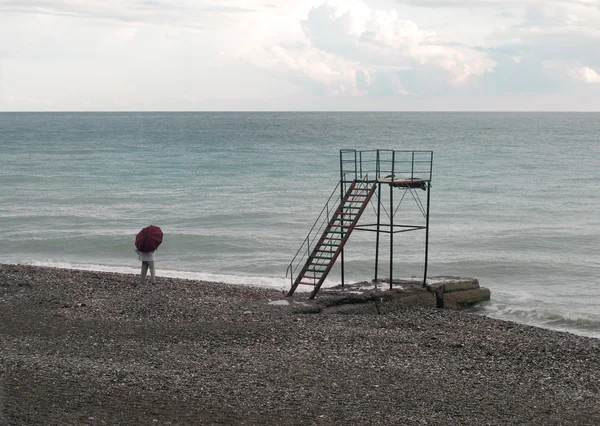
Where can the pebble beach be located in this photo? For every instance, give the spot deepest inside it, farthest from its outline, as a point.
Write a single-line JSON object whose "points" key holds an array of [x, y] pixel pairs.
{"points": [[95, 348]]}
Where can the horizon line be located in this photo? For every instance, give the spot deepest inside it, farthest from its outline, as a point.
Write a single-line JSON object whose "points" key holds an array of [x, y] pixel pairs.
{"points": [[296, 111]]}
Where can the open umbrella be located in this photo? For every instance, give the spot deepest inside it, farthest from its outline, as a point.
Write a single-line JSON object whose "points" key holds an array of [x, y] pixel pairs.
{"points": [[148, 239]]}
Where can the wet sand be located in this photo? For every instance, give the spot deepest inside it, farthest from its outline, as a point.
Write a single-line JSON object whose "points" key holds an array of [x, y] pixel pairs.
{"points": [[79, 348]]}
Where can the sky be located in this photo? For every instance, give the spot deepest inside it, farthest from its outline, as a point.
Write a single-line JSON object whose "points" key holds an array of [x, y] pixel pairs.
{"points": [[309, 55]]}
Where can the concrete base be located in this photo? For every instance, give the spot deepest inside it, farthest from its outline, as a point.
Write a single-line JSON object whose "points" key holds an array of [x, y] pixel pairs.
{"points": [[447, 292]]}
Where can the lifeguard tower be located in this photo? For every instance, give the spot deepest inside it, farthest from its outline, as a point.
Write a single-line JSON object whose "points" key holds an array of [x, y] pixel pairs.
{"points": [[364, 178]]}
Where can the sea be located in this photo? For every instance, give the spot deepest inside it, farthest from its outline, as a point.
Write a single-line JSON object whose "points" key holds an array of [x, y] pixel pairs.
{"points": [[514, 199]]}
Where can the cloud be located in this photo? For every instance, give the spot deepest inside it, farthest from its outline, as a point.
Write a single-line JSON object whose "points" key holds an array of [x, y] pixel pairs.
{"points": [[310, 65], [346, 52], [182, 13], [550, 42], [585, 74], [347, 47], [383, 38], [555, 22], [434, 4], [493, 4], [35, 103]]}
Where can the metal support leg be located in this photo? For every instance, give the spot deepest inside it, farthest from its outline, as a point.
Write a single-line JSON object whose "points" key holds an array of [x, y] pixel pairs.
{"points": [[427, 235], [342, 266], [391, 234], [378, 228], [342, 223]]}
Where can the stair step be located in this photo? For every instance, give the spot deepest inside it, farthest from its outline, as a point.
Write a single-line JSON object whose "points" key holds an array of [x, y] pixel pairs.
{"points": [[334, 236]]}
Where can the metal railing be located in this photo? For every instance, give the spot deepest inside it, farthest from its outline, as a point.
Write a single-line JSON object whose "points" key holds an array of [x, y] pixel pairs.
{"points": [[382, 163], [315, 233]]}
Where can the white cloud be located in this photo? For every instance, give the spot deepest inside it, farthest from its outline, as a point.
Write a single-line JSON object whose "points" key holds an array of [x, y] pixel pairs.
{"points": [[382, 37], [585, 74], [63, 54], [347, 45], [495, 4], [35, 103], [183, 15], [338, 75]]}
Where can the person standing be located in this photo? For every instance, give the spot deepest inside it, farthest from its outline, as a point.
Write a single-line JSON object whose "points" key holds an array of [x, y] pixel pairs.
{"points": [[146, 243], [147, 263]]}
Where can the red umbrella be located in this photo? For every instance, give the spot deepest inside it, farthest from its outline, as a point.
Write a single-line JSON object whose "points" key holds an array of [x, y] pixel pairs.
{"points": [[148, 239]]}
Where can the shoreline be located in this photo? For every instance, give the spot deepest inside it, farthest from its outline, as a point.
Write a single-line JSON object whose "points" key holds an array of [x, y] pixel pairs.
{"points": [[86, 347], [580, 327], [271, 282]]}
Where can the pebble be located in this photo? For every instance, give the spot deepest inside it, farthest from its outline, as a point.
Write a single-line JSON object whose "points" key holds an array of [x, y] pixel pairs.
{"points": [[88, 345]]}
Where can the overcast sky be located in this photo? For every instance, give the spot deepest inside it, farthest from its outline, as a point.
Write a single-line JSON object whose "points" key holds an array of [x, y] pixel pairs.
{"points": [[107, 55]]}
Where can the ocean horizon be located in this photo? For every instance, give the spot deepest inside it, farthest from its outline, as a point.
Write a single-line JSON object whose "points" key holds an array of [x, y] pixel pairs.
{"points": [[513, 198]]}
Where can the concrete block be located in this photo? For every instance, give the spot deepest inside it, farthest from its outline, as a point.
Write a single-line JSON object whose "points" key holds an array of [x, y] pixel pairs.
{"points": [[468, 297]]}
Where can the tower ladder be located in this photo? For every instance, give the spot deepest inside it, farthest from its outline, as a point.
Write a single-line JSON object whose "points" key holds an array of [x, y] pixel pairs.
{"points": [[334, 237]]}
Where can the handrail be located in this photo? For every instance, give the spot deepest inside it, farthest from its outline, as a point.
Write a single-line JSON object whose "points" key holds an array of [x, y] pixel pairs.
{"points": [[315, 232], [384, 162]]}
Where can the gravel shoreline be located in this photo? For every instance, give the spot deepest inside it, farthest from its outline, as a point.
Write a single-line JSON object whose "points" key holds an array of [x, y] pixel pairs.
{"points": [[92, 348]]}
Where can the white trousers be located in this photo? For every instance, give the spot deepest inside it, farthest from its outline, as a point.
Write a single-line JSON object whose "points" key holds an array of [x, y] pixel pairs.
{"points": [[145, 266]]}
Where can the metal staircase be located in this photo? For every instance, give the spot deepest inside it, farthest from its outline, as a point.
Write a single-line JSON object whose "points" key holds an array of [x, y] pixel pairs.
{"points": [[337, 226], [361, 173]]}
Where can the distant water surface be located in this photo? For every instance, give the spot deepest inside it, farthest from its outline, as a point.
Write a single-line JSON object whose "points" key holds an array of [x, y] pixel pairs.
{"points": [[514, 201]]}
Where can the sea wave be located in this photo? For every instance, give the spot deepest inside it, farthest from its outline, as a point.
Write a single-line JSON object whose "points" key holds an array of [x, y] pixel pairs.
{"points": [[582, 323]]}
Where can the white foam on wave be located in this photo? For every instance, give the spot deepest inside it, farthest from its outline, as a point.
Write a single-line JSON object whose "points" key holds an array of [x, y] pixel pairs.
{"points": [[278, 283], [256, 281], [582, 323]]}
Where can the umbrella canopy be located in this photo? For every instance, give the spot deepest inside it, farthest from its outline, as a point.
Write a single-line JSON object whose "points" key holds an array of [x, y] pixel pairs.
{"points": [[148, 239]]}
